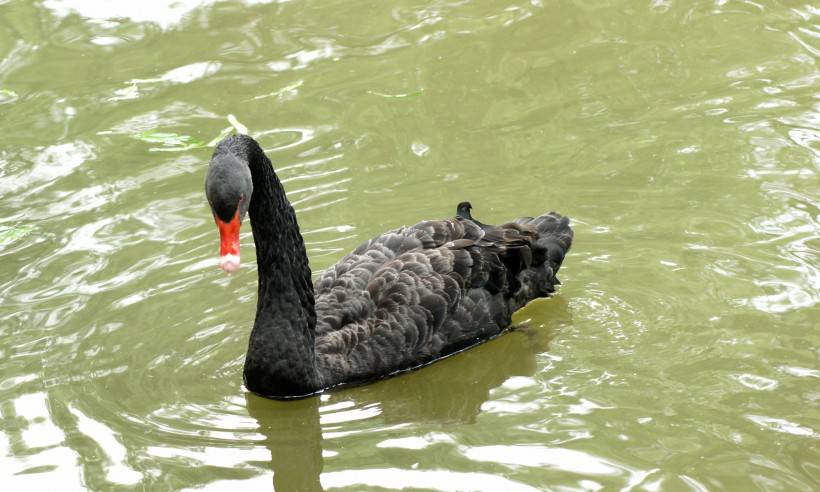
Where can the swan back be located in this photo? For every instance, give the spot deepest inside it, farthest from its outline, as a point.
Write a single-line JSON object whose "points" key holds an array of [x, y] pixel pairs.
{"points": [[415, 294]]}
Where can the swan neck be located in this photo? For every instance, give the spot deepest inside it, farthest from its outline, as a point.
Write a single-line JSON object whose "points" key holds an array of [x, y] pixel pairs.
{"points": [[281, 359]]}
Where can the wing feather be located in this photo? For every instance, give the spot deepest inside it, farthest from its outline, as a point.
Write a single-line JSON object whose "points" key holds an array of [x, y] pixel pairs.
{"points": [[418, 293]]}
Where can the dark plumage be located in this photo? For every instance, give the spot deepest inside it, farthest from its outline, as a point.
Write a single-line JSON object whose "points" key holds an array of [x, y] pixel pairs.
{"points": [[400, 300], [463, 212]]}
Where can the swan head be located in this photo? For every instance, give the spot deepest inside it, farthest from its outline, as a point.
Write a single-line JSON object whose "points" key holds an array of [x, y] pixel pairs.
{"points": [[228, 187]]}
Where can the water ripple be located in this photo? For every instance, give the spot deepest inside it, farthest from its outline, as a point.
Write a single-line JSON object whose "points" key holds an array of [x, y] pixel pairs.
{"points": [[681, 137]]}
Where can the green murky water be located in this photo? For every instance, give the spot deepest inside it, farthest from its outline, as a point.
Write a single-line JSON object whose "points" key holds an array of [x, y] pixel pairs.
{"points": [[683, 138]]}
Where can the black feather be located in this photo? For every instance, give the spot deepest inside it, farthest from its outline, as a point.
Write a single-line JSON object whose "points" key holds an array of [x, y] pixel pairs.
{"points": [[398, 301]]}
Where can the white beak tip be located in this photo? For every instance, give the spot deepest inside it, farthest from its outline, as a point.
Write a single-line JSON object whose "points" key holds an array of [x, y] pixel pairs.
{"points": [[229, 263]]}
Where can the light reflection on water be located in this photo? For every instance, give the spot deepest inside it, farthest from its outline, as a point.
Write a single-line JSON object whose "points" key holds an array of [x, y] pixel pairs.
{"points": [[681, 138], [166, 14]]}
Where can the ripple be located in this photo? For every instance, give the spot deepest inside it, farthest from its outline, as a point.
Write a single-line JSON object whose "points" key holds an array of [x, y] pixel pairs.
{"points": [[175, 114], [417, 443], [48, 165], [800, 371], [537, 456], [396, 478], [216, 456], [756, 382], [118, 471], [137, 88], [783, 426], [37, 456], [163, 13]]}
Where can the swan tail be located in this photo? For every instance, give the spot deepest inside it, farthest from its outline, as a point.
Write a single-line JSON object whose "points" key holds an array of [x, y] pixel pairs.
{"points": [[553, 239]]}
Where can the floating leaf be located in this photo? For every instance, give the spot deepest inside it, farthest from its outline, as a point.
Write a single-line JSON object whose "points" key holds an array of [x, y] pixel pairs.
{"points": [[174, 142], [9, 234]]}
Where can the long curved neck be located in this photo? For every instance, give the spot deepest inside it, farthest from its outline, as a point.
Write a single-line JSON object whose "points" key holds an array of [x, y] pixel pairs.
{"points": [[281, 361]]}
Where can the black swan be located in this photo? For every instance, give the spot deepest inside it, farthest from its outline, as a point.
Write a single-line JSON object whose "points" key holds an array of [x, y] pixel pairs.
{"points": [[399, 301]]}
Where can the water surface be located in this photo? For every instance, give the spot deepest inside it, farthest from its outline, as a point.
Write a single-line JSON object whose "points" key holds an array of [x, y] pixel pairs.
{"points": [[683, 138]]}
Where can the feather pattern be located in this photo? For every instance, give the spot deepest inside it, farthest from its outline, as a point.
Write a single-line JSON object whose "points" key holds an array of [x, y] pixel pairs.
{"points": [[418, 293]]}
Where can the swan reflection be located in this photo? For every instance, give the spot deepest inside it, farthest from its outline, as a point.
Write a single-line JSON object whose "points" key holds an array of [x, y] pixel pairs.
{"points": [[300, 434]]}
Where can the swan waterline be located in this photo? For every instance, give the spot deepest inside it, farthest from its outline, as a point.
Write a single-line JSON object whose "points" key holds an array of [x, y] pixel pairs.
{"points": [[399, 301]]}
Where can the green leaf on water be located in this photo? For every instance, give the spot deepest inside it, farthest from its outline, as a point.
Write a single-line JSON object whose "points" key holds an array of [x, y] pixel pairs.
{"points": [[174, 142], [171, 142], [9, 234]]}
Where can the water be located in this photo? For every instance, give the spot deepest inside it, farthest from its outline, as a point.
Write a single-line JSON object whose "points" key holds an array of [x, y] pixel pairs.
{"points": [[683, 138]]}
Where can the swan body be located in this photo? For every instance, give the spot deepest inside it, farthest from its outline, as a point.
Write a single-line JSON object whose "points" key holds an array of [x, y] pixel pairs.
{"points": [[400, 300]]}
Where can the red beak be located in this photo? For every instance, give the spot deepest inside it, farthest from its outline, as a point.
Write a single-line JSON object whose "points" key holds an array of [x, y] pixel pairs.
{"points": [[229, 243]]}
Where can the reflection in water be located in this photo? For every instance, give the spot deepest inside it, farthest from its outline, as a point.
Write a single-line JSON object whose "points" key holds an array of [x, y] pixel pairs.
{"points": [[450, 391], [162, 12], [294, 438], [539, 456], [33, 442]]}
